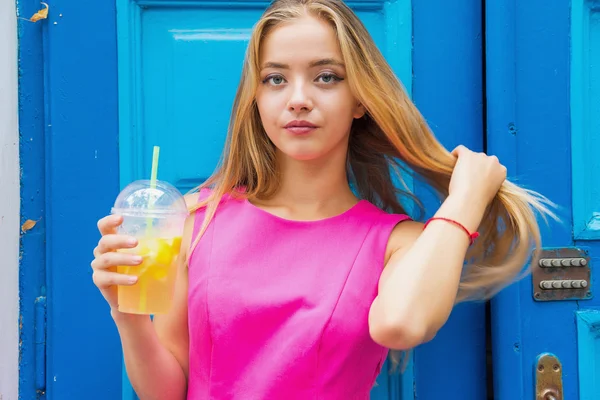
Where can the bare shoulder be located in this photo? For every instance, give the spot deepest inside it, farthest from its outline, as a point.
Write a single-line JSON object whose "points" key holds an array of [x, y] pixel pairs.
{"points": [[191, 198], [402, 237]]}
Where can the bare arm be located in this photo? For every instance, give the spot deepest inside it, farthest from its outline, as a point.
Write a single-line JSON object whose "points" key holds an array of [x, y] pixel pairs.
{"points": [[156, 354], [418, 287]]}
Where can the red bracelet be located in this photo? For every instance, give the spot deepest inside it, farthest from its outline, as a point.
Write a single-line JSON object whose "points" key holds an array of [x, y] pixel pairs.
{"points": [[472, 236]]}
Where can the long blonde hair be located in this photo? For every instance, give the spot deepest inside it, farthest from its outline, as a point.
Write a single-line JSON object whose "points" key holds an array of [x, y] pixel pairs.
{"points": [[391, 140]]}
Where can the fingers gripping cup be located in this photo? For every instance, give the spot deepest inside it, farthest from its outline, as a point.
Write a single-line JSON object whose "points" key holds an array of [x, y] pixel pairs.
{"points": [[154, 212]]}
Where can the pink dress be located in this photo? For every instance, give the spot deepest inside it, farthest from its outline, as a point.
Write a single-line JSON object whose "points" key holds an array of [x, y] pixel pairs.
{"points": [[278, 309]]}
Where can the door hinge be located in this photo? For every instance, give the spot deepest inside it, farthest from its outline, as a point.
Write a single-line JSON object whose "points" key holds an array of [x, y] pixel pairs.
{"points": [[40, 344]]}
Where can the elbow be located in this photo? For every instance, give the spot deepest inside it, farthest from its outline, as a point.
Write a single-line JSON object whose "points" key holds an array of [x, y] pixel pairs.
{"points": [[399, 334]]}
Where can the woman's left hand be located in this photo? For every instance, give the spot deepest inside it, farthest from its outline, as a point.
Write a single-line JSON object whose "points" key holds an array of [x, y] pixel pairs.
{"points": [[476, 176]]}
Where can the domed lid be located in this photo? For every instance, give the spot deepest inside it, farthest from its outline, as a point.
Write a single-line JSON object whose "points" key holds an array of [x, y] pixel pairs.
{"points": [[139, 198]]}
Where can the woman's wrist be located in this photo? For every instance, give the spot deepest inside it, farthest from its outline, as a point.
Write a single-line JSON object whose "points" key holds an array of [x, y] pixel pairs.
{"points": [[464, 209]]}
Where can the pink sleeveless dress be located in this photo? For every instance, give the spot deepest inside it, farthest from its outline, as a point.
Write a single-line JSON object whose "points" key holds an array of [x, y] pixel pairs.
{"points": [[278, 309]]}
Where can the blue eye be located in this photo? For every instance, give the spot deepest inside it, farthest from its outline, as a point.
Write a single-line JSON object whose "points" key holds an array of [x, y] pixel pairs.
{"points": [[274, 80], [329, 78]]}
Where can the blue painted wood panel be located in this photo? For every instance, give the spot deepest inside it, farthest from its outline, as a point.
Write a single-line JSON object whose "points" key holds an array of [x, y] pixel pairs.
{"points": [[585, 117], [32, 149], [530, 117], [69, 156], [588, 340], [448, 89], [177, 86], [506, 308]]}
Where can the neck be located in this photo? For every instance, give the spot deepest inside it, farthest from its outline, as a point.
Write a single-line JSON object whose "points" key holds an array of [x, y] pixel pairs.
{"points": [[317, 184]]}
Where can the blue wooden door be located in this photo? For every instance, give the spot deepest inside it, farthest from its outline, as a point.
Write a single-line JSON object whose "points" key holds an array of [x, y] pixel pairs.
{"points": [[543, 91], [101, 83]]}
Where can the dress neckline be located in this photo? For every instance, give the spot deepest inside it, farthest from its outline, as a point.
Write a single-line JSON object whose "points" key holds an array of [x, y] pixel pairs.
{"points": [[355, 208]]}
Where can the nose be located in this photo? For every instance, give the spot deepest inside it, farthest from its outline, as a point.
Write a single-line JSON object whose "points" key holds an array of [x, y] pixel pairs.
{"points": [[300, 99]]}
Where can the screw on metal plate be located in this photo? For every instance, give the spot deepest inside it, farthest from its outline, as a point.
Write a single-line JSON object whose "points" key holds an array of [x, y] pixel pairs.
{"points": [[548, 378], [562, 274]]}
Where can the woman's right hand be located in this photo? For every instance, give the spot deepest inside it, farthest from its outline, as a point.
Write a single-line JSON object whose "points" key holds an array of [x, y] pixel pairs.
{"points": [[106, 260]]}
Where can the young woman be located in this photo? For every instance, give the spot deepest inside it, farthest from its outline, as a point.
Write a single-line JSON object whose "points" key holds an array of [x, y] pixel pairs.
{"points": [[299, 269]]}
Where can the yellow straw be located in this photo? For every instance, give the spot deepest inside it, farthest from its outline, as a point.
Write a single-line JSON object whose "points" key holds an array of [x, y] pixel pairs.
{"points": [[153, 178]]}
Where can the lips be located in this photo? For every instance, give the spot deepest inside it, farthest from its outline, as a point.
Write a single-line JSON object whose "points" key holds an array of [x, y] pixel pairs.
{"points": [[300, 127]]}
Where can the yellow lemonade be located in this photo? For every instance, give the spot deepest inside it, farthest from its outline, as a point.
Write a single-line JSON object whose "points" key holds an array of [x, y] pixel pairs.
{"points": [[153, 292]]}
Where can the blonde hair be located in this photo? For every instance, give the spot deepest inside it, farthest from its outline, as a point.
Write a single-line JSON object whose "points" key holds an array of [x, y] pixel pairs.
{"points": [[393, 136]]}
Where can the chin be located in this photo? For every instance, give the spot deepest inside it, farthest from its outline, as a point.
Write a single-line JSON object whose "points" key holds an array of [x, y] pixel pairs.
{"points": [[301, 153]]}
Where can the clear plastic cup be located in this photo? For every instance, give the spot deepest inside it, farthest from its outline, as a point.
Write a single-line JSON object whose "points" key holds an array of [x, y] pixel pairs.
{"points": [[155, 215]]}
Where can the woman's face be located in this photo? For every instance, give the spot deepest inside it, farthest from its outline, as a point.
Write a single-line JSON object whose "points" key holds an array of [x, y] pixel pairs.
{"points": [[304, 99]]}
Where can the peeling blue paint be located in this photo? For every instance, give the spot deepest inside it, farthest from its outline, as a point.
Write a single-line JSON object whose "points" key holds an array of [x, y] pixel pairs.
{"points": [[66, 189], [32, 274]]}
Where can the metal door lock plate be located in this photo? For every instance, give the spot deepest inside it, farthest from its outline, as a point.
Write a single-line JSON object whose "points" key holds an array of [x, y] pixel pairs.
{"points": [[548, 378], [562, 274]]}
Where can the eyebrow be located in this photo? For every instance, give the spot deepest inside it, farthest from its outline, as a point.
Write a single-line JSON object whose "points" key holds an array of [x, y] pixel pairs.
{"points": [[317, 63]]}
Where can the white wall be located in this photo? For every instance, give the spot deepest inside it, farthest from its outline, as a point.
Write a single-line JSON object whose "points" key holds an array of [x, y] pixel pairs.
{"points": [[9, 204]]}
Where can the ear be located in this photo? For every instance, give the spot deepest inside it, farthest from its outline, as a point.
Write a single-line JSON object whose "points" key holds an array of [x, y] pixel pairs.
{"points": [[359, 111]]}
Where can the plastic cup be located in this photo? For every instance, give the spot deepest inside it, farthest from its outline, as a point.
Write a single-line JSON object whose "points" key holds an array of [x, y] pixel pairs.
{"points": [[154, 214]]}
